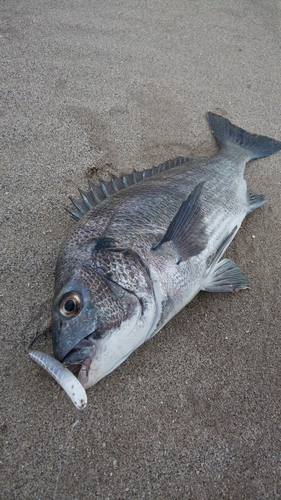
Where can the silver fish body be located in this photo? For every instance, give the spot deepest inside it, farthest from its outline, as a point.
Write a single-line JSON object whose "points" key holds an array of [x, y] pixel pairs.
{"points": [[145, 245]]}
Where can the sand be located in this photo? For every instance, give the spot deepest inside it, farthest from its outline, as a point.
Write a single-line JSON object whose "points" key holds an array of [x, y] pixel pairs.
{"points": [[93, 89]]}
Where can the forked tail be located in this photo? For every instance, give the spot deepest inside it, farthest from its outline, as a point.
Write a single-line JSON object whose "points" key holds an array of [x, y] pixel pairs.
{"points": [[228, 134]]}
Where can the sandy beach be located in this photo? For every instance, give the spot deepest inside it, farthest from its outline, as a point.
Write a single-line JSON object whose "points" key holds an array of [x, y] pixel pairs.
{"points": [[93, 89]]}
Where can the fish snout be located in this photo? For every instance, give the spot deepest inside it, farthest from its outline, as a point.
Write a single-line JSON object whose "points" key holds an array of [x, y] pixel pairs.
{"points": [[66, 335]]}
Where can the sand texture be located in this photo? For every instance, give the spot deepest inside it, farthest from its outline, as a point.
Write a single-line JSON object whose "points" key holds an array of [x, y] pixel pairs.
{"points": [[93, 89]]}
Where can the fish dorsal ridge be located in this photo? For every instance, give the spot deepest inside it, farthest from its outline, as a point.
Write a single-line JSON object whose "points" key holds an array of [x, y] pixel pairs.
{"points": [[98, 193]]}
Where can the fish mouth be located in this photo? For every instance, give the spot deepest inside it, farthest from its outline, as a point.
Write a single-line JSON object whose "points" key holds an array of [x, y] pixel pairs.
{"points": [[79, 359]]}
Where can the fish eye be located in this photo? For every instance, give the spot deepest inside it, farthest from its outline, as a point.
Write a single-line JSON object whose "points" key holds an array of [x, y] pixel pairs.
{"points": [[70, 305]]}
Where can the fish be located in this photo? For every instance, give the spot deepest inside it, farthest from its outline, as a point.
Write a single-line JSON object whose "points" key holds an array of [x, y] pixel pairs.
{"points": [[144, 245]]}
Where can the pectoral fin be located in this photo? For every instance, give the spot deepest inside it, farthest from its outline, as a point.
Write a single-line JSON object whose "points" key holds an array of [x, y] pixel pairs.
{"points": [[225, 277], [187, 228]]}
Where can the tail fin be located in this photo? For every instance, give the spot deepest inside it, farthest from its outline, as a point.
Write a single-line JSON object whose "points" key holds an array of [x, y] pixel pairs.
{"points": [[227, 134]]}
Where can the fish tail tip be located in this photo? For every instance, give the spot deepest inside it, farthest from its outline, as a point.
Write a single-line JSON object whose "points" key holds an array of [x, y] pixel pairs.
{"points": [[228, 135]]}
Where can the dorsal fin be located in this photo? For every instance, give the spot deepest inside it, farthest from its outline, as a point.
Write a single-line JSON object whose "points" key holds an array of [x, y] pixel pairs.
{"points": [[105, 189]]}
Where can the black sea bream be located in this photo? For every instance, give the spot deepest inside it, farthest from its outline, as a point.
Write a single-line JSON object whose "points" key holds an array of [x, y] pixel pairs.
{"points": [[145, 245]]}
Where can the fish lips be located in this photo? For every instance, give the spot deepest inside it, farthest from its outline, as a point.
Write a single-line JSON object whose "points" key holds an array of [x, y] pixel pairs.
{"points": [[83, 350], [81, 355]]}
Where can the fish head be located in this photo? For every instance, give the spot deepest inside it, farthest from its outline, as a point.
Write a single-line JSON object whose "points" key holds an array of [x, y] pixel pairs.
{"points": [[103, 309]]}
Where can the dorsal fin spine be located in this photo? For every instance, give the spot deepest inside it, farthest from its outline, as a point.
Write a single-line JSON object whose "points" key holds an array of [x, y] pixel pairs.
{"points": [[104, 188], [99, 193], [96, 192], [87, 199], [80, 205]]}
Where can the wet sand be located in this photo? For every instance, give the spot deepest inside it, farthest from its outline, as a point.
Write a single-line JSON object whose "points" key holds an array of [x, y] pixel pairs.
{"points": [[93, 89]]}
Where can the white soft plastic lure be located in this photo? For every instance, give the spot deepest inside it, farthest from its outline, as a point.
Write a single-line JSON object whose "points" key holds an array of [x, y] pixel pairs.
{"points": [[64, 377]]}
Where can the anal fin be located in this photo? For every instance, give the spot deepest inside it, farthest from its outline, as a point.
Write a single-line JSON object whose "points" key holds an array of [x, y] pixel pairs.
{"points": [[225, 276], [255, 201]]}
